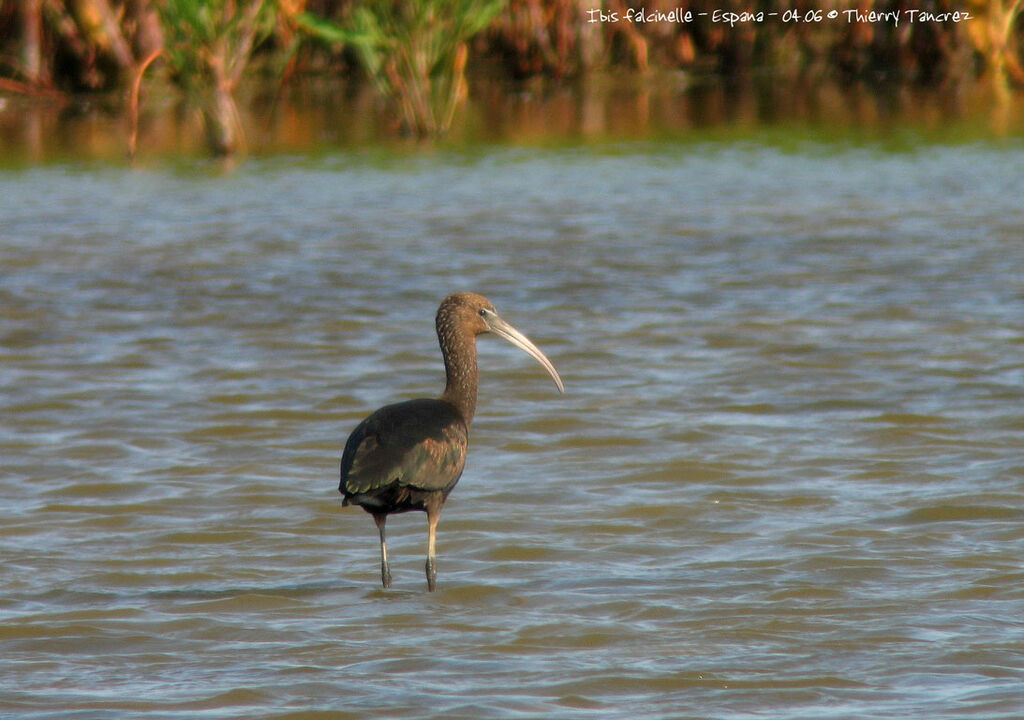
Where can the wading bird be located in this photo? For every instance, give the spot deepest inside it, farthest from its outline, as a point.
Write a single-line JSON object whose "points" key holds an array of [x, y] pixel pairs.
{"points": [[408, 456]]}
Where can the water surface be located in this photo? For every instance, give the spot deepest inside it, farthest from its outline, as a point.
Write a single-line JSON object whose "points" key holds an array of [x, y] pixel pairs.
{"points": [[786, 479]]}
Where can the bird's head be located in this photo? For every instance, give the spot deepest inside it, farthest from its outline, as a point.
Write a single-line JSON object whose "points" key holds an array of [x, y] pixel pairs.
{"points": [[467, 312]]}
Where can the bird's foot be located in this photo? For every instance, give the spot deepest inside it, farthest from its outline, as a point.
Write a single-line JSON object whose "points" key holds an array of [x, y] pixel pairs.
{"points": [[385, 576]]}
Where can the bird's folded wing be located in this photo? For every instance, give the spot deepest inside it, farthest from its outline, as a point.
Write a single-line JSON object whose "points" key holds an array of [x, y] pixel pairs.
{"points": [[419, 443]]}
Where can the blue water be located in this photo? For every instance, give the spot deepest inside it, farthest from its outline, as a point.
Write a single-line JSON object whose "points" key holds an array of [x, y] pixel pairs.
{"points": [[785, 480]]}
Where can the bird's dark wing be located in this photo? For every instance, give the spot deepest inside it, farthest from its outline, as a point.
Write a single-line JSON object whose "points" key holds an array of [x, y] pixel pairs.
{"points": [[418, 443]]}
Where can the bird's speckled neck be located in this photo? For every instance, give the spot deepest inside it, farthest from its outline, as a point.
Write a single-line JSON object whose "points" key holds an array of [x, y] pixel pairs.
{"points": [[458, 346]]}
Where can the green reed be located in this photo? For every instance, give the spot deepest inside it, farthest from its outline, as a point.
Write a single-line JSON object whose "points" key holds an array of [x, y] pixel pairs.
{"points": [[415, 51], [208, 45]]}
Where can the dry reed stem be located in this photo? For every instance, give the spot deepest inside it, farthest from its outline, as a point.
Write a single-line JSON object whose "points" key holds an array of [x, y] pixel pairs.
{"points": [[133, 102], [21, 88]]}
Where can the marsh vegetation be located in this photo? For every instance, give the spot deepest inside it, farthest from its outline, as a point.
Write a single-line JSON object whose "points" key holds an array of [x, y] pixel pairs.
{"points": [[422, 56]]}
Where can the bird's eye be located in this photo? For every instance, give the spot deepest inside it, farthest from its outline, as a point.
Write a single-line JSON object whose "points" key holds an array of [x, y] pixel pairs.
{"points": [[483, 312]]}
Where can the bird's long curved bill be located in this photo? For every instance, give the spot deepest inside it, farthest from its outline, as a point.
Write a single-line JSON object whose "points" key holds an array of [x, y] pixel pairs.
{"points": [[502, 329]]}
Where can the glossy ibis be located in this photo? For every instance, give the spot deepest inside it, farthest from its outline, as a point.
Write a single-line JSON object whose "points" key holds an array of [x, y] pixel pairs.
{"points": [[408, 456]]}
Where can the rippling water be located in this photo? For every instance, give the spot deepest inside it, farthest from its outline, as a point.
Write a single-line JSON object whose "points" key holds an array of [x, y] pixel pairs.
{"points": [[786, 480]]}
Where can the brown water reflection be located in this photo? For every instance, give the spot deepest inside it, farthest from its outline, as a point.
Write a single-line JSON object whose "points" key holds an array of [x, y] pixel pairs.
{"points": [[320, 115]]}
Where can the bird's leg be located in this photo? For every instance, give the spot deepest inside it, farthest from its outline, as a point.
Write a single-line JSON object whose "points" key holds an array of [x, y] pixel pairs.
{"points": [[385, 571], [433, 515]]}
